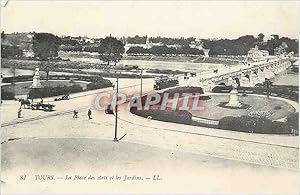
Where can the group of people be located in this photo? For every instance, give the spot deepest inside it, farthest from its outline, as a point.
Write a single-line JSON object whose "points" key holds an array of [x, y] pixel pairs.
{"points": [[75, 114]]}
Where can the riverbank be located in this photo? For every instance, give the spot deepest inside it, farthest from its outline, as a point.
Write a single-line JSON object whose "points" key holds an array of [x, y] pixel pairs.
{"points": [[27, 67]]}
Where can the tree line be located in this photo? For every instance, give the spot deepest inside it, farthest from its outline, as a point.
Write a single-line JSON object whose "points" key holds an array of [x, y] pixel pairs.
{"points": [[164, 40], [243, 44], [46, 45], [239, 46]]}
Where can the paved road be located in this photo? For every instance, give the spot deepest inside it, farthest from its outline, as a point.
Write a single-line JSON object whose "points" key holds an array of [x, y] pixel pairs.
{"points": [[100, 157]]}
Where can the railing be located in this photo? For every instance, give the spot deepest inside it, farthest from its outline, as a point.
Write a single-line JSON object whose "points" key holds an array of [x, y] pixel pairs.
{"points": [[262, 64], [205, 121]]}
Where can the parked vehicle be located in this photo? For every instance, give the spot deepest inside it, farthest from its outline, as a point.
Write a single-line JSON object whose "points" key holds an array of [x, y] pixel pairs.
{"points": [[164, 83]]}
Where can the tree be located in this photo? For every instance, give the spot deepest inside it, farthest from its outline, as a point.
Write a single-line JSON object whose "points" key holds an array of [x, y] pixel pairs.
{"points": [[45, 47], [8, 51], [45, 65], [111, 49], [3, 35], [268, 84], [275, 36], [260, 37], [137, 50]]}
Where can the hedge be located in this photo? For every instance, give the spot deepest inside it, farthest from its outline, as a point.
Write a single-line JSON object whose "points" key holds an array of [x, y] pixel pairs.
{"points": [[53, 91], [182, 90], [182, 117], [99, 85], [293, 121], [6, 95], [253, 124]]}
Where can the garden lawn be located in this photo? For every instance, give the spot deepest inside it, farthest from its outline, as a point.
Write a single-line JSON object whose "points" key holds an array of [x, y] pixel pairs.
{"points": [[277, 109]]}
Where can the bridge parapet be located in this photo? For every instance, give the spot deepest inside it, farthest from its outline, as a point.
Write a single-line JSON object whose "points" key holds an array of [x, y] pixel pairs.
{"points": [[257, 72]]}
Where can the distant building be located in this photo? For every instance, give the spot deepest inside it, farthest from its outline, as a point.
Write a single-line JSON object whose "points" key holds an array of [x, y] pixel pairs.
{"points": [[87, 40], [256, 53], [280, 50], [147, 45], [198, 44]]}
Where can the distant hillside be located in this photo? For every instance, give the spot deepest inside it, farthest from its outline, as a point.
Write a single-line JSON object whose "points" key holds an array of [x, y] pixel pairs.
{"points": [[22, 40]]}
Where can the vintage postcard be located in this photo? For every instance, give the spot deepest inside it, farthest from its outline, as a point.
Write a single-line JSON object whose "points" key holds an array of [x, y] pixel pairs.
{"points": [[150, 97]]}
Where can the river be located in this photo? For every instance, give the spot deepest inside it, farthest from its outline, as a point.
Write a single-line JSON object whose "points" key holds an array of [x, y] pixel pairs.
{"points": [[286, 79]]}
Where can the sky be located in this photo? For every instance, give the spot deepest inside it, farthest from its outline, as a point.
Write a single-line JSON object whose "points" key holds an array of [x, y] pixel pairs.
{"points": [[200, 19]]}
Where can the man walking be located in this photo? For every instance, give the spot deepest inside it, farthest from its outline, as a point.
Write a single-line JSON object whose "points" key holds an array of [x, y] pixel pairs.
{"points": [[89, 114], [75, 114], [19, 113]]}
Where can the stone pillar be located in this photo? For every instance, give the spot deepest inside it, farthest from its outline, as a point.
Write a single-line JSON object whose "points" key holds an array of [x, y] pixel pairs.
{"points": [[269, 74], [253, 79], [205, 85], [244, 81], [229, 81], [281, 68], [261, 76], [211, 85], [272, 72]]}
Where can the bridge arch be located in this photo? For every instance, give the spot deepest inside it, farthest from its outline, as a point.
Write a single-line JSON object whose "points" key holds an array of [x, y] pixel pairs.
{"points": [[247, 75]]}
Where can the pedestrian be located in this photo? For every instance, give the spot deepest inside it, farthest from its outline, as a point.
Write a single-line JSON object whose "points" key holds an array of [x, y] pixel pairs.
{"points": [[42, 100], [19, 113], [75, 114], [89, 114]]}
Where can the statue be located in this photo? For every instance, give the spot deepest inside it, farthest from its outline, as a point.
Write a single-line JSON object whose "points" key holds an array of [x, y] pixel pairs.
{"points": [[234, 98], [36, 79]]}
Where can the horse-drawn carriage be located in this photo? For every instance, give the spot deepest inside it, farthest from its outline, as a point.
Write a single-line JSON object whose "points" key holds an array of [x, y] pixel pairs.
{"points": [[41, 106], [64, 97], [36, 106], [163, 83]]}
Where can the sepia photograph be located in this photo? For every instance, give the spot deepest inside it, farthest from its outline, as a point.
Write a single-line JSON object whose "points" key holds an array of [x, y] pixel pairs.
{"points": [[149, 97]]}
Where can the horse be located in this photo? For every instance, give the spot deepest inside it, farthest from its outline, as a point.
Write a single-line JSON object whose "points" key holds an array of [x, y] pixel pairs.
{"points": [[24, 103], [193, 74]]}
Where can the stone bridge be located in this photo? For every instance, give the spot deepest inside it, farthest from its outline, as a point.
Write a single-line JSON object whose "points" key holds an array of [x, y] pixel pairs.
{"points": [[246, 75]]}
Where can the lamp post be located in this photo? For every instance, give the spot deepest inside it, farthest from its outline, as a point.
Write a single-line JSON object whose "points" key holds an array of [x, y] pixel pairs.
{"points": [[116, 112], [141, 92]]}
